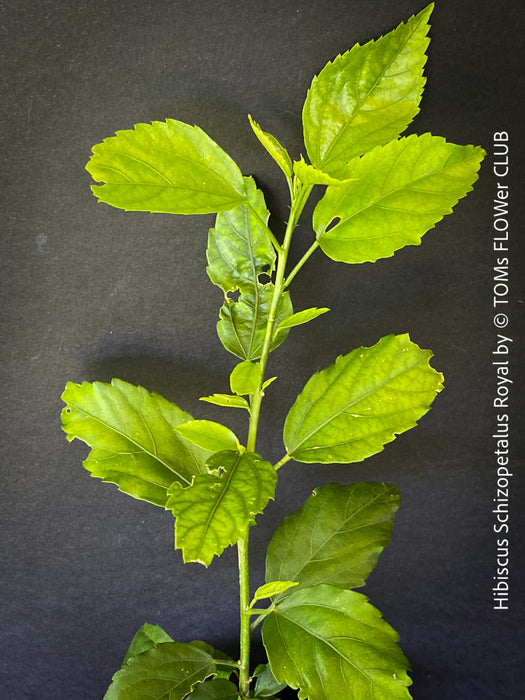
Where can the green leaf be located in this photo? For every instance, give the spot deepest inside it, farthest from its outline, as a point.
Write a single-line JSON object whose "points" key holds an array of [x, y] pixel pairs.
{"points": [[402, 190], [223, 670], [309, 175], [366, 97], [168, 167], [351, 409], [208, 435], [242, 325], [277, 151], [147, 637], [266, 685], [227, 400], [336, 537], [323, 639], [215, 689], [245, 378], [219, 507], [240, 246], [132, 438], [301, 317], [271, 589], [169, 670]]}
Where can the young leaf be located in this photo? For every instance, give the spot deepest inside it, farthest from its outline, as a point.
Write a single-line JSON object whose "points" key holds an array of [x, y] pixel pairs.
{"points": [[323, 639], [147, 637], [208, 435], [167, 670], [242, 324], [239, 245], [351, 409], [309, 175], [219, 507], [301, 317], [336, 537], [245, 378], [226, 400], [277, 151], [266, 685], [402, 190], [132, 438], [215, 689], [366, 97], [168, 167], [273, 588]]}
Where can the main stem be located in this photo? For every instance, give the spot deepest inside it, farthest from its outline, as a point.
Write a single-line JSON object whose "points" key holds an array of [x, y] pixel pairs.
{"points": [[297, 205]]}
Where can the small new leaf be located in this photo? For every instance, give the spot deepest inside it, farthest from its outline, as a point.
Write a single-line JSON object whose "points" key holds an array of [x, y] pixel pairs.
{"points": [[168, 167], [351, 409], [169, 670], [336, 537], [245, 378], [132, 438], [366, 97], [309, 175], [147, 637], [219, 507], [226, 400], [323, 639], [208, 435], [301, 317], [402, 190], [268, 590], [277, 151]]}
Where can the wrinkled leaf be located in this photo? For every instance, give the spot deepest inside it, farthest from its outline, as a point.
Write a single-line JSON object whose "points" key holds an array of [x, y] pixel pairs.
{"points": [[132, 437], [215, 689], [366, 97], [402, 190], [301, 317], [239, 245], [309, 175], [336, 537], [208, 435], [219, 507], [242, 324], [147, 637], [351, 409], [324, 639], [266, 685], [277, 151], [168, 670], [245, 378], [273, 588], [226, 400], [168, 167]]}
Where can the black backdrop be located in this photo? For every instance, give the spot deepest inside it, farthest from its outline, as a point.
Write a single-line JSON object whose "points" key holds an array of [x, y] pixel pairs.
{"points": [[89, 292]]}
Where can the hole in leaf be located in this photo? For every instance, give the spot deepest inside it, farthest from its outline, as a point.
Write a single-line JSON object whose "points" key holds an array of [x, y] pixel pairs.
{"points": [[233, 296], [264, 278], [333, 223]]}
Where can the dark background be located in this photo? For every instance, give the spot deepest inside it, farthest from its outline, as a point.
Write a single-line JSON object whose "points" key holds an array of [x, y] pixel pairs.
{"points": [[90, 292]]}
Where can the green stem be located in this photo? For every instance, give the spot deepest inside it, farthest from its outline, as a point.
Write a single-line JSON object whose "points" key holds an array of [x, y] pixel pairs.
{"points": [[244, 599], [301, 262], [297, 204]]}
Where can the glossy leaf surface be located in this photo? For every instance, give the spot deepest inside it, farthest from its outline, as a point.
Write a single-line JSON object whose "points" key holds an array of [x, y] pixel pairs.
{"points": [[208, 435], [336, 537], [351, 409], [366, 97], [242, 324], [219, 507], [214, 689], [402, 190], [169, 670], [323, 639], [245, 378], [132, 437], [277, 151], [147, 637], [301, 317], [239, 245], [168, 167]]}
